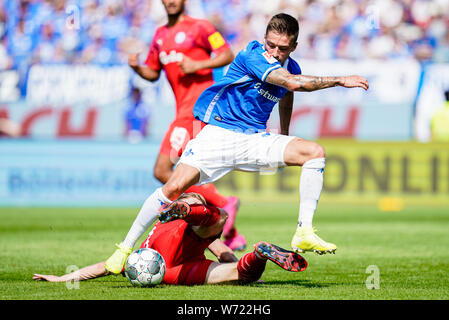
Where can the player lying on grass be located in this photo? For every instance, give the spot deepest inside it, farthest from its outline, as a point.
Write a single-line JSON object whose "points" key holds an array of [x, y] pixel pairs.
{"points": [[186, 228], [236, 110]]}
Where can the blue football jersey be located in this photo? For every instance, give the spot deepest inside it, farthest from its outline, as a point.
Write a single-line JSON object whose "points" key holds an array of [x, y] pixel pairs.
{"points": [[242, 100]]}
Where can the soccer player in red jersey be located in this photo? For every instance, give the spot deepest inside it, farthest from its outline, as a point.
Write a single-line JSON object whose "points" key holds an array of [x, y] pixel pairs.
{"points": [[182, 48], [187, 227]]}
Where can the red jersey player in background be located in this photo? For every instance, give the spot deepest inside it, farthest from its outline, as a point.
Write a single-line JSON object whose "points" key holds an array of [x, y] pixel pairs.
{"points": [[182, 48]]}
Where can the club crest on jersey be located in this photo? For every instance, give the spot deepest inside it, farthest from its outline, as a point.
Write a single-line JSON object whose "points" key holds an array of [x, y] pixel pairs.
{"points": [[269, 57], [172, 57], [180, 37]]}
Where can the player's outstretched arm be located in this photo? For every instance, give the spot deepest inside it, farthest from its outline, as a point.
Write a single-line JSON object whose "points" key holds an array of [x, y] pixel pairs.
{"points": [[90, 272], [281, 77], [142, 70], [223, 253]]}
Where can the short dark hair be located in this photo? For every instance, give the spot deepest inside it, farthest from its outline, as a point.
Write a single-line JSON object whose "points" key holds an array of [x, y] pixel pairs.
{"points": [[284, 24], [446, 94]]}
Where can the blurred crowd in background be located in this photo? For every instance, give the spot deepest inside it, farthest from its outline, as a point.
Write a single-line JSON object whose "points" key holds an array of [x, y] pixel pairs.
{"points": [[64, 76], [104, 31]]}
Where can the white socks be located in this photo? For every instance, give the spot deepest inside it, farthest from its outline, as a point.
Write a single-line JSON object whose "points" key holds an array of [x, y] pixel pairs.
{"points": [[147, 215], [310, 185]]}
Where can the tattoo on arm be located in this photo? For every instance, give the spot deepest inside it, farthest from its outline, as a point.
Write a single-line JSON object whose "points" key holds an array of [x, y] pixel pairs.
{"points": [[283, 78], [279, 77], [311, 83]]}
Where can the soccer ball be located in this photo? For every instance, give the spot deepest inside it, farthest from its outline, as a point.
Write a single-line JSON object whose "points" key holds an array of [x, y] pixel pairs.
{"points": [[145, 267]]}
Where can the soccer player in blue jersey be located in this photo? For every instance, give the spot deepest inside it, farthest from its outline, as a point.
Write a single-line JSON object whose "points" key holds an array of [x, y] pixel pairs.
{"points": [[236, 110]]}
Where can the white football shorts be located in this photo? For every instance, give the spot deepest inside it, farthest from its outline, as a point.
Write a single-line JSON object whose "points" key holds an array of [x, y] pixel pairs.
{"points": [[217, 151]]}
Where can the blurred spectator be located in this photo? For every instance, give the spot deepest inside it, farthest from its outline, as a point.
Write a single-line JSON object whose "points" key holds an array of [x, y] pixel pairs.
{"points": [[47, 46], [442, 51], [114, 25], [38, 31], [137, 117], [5, 59], [440, 122], [97, 49], [21, 44]]}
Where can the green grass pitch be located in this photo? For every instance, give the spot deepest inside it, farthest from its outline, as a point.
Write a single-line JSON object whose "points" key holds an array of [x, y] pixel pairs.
{"points": [[408, 248]]}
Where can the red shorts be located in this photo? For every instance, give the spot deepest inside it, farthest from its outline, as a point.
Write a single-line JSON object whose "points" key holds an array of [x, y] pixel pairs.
{"points": [[178, 134], [182, 250]]}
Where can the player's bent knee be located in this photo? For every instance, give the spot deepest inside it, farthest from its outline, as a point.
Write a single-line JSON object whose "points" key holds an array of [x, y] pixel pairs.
{"points": [[317, 151], [311, 151], [173, 189], [162, 169], [161, 174], [300, 151]]}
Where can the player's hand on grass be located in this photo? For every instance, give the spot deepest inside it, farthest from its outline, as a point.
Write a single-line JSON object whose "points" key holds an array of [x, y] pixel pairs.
{"points": [[45, 277], [354, 82], [188, 65], [133, 60], [226, 257]]}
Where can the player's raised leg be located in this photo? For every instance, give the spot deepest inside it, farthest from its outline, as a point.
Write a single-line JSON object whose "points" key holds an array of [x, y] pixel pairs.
{"points": [[182, 178], [311, 156]]}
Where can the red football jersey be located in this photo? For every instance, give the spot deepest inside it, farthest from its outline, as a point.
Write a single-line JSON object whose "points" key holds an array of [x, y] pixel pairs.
{"points": [[177, 242], [195, 38]]}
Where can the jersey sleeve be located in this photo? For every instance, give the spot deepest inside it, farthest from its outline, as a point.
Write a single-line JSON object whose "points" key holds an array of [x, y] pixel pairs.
{"points": [[293, 67], [152, 60], [260, 63], [210, 39]]}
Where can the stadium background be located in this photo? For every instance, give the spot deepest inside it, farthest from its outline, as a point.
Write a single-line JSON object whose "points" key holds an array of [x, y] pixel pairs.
{"points": [[90, 128]]}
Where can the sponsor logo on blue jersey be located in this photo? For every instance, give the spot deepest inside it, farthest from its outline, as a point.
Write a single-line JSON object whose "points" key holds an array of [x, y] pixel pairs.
{"points": [[265, 93]]}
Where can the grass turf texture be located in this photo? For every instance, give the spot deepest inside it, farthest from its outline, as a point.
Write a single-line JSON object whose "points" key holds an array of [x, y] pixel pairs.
{"points": [[409, 249]]}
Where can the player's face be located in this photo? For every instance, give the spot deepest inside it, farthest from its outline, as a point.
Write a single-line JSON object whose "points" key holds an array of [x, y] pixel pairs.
{"points": [[279, 45], [174, 7]]}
